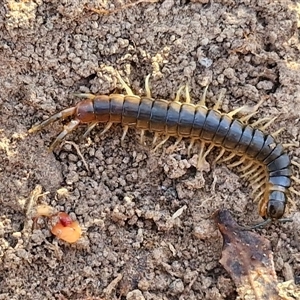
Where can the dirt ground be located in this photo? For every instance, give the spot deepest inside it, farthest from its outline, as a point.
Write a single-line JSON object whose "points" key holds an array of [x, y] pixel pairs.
{"points": [[146, 216]]}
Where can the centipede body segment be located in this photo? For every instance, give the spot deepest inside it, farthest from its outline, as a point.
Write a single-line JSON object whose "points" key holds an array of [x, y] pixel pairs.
{"points": [[264, 161]]}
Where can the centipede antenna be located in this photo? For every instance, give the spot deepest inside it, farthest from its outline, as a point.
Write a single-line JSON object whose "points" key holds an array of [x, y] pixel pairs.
{"points": [[266, 222], [124, 85], [89, 129], [285, 220], [259, 225], [147, 86], [178, 93], [203, 98]]}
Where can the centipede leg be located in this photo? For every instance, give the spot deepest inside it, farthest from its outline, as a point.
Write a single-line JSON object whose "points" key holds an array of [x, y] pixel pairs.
{"points": [[254, 181], [276, 133], [265, 126], [187, 94], [235, 111], [179, 139], [256, 175], [161, 143], [263, 207], [201, 156], [231, 156], [219, 156], [178, 93], [219, 101], [245, 119], [142, 137], [192, 142], [203, 98], [256, 199], [293, 162], [256, 123], [89, 129], [147, 86], [125, 130], [292, 190], [246, 167], [61, 115], [67, 129], [245, 175], [257, 188], [106, 128], [237, 163], [297, 180], [124, 85], [156, 135]]}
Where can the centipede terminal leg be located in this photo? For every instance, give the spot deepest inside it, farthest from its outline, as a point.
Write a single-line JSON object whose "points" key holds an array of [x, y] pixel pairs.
{"points": [[61, 115], [67, 129]]}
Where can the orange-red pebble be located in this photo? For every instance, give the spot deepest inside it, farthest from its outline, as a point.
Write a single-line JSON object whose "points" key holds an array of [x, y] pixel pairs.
{"points": [[66, 229]]}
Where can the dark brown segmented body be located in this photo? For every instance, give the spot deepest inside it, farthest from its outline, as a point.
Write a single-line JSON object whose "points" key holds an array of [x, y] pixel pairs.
{"points": [[173, 118]]}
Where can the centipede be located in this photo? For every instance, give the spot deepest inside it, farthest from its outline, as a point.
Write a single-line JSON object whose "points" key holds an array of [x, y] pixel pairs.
{"points": [[262, 160]]}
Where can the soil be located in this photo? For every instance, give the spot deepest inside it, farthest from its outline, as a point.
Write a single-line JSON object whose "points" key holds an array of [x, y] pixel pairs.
{"points": [[146, 216]]}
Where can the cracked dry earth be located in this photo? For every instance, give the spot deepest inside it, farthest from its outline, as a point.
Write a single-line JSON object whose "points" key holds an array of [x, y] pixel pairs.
{"points": [[146, 216]]}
